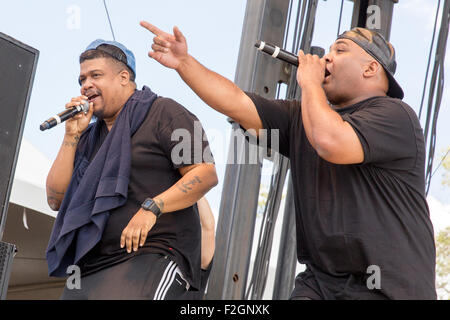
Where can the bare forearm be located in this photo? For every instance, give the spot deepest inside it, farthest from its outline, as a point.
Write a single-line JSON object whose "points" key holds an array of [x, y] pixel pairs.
{"points": [[208, 232], [206, 215], [188, 190], [59, 176], [208, 247], [215, 90]]}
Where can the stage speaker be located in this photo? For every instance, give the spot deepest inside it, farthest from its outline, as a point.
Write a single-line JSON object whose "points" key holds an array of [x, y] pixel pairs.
{"points": [[17, 69], [7, 253]]}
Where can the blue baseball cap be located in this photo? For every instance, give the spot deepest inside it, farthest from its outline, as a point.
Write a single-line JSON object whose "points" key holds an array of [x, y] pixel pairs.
{"points": [[127, 57]]}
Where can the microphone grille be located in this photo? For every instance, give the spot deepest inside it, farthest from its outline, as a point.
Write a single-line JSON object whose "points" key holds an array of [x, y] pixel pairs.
{"points": [[85, 106]]}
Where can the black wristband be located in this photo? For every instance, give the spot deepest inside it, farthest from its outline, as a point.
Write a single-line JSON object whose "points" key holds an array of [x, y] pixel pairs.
{"points": [[150, 205]]}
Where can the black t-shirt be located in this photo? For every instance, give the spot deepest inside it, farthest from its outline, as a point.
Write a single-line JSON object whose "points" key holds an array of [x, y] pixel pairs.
{"points": [[153, 171], [352, 217], [204, 277]]}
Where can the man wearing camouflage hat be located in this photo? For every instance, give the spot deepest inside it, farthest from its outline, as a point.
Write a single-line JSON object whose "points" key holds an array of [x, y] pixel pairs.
{"points": [[357, 163]]}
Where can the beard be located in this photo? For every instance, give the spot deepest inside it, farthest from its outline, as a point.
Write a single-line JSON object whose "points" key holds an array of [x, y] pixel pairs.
{"points": [[99, 114], [336, 96]]}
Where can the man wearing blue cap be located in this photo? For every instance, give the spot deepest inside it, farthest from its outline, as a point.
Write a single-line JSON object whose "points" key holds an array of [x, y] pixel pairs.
{"points": [[127, 216], [357, 163]]}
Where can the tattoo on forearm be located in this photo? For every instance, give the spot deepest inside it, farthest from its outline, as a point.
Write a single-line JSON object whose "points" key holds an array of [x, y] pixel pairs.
{"points": [[72, 143], [181, 188], [186, 186]]}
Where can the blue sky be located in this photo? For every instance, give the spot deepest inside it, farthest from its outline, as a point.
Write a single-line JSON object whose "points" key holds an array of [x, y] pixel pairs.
{"points": [[213, 31]]}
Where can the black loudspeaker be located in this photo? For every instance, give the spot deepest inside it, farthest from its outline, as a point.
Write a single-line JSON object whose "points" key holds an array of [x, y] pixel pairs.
{"points": [[7, 253], [17, 69]]}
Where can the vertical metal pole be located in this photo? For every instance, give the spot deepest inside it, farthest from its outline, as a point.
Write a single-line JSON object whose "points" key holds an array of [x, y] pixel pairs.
{"points": [[261, 265], [256, 73], [287, 256]]}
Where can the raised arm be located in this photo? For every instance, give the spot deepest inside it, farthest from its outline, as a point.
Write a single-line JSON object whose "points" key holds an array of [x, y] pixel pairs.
{"points": [[59, 176], [215, 90]]}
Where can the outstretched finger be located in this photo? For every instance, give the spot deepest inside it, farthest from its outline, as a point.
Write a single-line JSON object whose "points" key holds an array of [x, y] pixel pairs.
{"points": [[178, 35], [155, 30]]}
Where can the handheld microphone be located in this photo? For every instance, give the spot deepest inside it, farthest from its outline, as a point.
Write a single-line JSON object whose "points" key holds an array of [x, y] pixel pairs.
{"points": [[63, 116], [284, 55]]}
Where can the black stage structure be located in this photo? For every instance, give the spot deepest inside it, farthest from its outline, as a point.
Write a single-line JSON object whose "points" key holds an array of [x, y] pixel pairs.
{"points": [[18, 63]]}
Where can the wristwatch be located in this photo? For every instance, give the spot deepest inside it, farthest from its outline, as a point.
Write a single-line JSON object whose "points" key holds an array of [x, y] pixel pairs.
{"points": [[150, 205]]}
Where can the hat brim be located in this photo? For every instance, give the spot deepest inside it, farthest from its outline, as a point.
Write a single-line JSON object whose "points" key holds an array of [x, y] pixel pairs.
{"points": [[394, 91]]}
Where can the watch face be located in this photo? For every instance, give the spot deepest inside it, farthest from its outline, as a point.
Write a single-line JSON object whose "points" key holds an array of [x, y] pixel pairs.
{"points": [[147, 203]]}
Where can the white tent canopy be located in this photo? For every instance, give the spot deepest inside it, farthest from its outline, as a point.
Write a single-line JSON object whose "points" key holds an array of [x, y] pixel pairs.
{"points": [[29, 223], [28, 189]]}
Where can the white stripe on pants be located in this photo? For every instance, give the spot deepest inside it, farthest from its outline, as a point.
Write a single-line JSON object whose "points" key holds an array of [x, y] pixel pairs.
{"points": [[167, 280]]}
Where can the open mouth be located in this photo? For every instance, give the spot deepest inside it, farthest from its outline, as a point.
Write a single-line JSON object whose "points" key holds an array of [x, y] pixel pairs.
{"points": [[327, 76], [92, 97]]}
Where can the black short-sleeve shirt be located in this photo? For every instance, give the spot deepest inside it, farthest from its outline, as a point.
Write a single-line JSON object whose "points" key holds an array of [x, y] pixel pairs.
{"points": [[156, 154], [351, 219]]}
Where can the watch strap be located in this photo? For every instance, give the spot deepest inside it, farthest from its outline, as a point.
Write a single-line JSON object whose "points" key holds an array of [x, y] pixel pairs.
{"points": [[150, 205]]}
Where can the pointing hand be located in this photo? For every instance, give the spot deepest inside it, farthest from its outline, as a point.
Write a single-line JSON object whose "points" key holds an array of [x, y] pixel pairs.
{"points": [[169, 50]]}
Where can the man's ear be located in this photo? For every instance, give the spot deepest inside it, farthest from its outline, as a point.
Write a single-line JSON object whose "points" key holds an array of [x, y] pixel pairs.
{"points": [[124, 77], [371, 69]]}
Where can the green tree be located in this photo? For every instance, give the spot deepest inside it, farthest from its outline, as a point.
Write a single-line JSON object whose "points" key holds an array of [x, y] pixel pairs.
{"points": [[443, 264], [446, 165], [442, 240]]}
